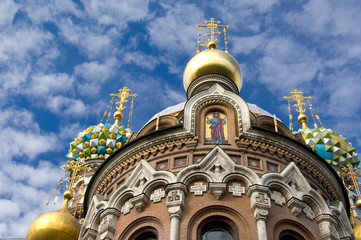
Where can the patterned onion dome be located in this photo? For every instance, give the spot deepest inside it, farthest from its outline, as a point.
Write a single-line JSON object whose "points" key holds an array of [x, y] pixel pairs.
{"points": [[98, 142], [331, 146]]}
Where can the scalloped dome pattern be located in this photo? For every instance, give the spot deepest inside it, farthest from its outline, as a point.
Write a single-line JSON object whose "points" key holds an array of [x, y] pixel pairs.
{"points": [[331, 146], [98, 142]]}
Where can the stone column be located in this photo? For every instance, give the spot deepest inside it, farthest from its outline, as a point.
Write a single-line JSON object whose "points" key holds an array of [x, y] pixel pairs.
{"points": [[175, 202], [260, 203], [108, 224], [327, 227]]}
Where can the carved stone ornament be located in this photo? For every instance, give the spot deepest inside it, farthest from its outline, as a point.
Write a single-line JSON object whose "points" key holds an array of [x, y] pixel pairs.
{"points": [[198, 189], [278, 198], [295, 205], [126, 208], [236, 189], [157, 195], [309, 213], [217, 189], [108, 224], [140, 202]]}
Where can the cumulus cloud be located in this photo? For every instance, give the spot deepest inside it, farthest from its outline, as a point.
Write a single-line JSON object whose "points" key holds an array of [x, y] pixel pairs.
{"points": [[48, 84], [66, 106], [175, 31], [141, 60], [8, 8], [287, 65], [116, 12]]}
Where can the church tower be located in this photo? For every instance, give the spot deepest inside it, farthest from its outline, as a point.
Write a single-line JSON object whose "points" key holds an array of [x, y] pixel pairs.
{"points": [[214, 167]]}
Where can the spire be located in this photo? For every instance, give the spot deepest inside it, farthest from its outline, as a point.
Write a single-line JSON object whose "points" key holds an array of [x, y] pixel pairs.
{"points": [[298, 97], [123, 94]]}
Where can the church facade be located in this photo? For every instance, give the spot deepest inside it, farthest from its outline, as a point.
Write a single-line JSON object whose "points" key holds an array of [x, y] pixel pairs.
{"points": [[214, 170]]}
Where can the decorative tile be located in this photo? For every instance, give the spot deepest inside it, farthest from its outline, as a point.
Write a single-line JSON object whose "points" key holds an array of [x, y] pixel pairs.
{"points": [[236, 189], [198, 189]]}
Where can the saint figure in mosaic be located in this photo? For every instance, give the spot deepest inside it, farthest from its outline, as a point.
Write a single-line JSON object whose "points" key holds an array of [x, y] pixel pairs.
{"points": [[217, 128]]}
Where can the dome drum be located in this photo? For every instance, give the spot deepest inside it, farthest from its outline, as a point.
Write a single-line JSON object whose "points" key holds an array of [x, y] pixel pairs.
{"points": [[205, 82]]}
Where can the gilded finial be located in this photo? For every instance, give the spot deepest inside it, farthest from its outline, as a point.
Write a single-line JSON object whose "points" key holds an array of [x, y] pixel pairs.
{"points": [[74, 167], [123, 94], [212, 42], [353, 174], [298, 97]]}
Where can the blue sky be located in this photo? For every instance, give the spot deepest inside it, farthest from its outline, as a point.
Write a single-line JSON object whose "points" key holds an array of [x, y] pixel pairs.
{"points": [[60, 60]]}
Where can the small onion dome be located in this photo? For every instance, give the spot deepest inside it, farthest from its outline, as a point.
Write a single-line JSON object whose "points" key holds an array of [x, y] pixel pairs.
{"points": [[331, 146], [212, 61], [98, 142], [357, 232], [56, 225]]}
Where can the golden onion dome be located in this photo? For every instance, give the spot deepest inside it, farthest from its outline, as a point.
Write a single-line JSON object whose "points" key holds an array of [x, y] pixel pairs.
{"points": [[212, 61], [357, 232], [56, 225]]}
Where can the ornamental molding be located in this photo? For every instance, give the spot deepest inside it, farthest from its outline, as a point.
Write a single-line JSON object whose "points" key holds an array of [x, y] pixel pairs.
{"points": [[294, 153], [141, 150]]}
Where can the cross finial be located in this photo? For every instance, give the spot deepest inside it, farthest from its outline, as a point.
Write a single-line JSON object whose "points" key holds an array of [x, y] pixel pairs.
{"points": [[123, 94], [353, 174], [212, 25], [74, 167], [298, 97]]}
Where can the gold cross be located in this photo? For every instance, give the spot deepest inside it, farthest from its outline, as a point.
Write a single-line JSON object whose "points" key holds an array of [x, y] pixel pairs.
{"points": [[352, 173], [74, 167], [211, 25], [298, 97], [122, 95]]}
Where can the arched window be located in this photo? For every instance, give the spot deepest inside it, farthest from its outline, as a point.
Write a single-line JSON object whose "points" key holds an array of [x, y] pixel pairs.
{"points": [[145, 234], [290, 235], [217, 230]]}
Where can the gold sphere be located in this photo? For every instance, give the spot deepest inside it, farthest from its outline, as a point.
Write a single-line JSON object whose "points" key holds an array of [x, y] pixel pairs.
{"points": [[358, 204], [212, 45], [212, 61], [357, 232], [302, 118], [56, 225]]}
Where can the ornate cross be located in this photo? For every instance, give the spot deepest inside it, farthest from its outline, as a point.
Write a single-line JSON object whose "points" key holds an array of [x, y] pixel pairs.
{"points": [[212, 25], [298, 97], [74, 167], [123, 94], [352, 173]]}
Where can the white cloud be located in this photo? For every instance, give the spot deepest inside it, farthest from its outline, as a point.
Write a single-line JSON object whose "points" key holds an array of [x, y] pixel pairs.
{"points": [[91, 40], [91, 75], [40, 11], [113, 12], [14, 48], [246, 45], [141, 60], [48, 84], [22, 136], [65, 106], [286, 65], [175, 32], [8, 8]]}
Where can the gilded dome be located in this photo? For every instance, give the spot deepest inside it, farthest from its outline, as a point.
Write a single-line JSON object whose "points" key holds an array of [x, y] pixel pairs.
{"points": [[56, 225], [357, 232], [212, 61]]}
